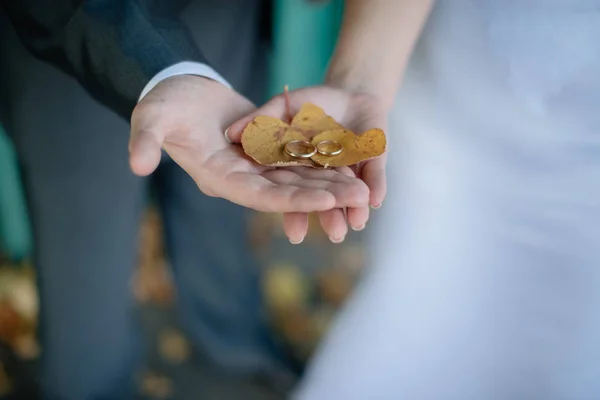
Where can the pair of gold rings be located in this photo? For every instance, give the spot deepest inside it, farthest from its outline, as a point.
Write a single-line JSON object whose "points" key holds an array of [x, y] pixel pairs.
{"points": [[305, 149]]}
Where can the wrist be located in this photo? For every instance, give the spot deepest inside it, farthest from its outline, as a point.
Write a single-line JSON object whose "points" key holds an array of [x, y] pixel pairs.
{"points": [[184, 68], [356, 82]]}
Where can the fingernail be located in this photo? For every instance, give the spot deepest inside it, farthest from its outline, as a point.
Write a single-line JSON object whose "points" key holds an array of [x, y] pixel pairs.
{"points": [[297, 241], [336, 241], [360, 228], [375, 207], [226, 135]]}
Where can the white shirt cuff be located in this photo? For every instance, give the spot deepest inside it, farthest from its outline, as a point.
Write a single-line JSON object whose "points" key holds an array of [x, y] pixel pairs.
{"points": [[184, 68]]}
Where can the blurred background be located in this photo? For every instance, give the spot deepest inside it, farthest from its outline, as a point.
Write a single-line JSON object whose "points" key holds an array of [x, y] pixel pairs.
{"points": [[301, 286]]}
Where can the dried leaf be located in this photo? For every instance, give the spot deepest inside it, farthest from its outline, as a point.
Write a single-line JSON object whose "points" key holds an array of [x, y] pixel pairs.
{"points": [[357, 148], [265, 137], [286, 97], [153, 284], [285, 287], [312, 120], [322, 319], [17, 288], [173, 346], [5, 383], [156, 386], [27, 347], [152, 281], [11, 323], [335, 285], [296, 326]]}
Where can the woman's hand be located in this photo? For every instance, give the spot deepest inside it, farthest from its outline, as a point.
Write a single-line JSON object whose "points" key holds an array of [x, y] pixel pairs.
{"points": [[355, 111], [187, 115]]}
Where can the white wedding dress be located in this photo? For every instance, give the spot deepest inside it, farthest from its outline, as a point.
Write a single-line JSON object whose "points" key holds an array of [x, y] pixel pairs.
{"points": [[484, 280]]}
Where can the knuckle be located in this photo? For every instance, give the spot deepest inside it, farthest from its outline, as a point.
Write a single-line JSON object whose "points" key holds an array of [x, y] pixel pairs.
{"points": [[209, 192], [206, 188], [359, 190], [144, 108]]}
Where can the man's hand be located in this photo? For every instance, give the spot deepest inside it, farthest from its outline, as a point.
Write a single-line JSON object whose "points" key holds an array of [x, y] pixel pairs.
{"points": [[357, 112], [187, 115]]}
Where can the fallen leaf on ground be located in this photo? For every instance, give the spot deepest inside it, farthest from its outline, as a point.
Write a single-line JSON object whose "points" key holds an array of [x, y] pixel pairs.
{"points": [[296, 326], [5, 383], [322, 319], [173, 346], [285, 287], [335, 285], [27, 346], [11, 323], [156, 386]]}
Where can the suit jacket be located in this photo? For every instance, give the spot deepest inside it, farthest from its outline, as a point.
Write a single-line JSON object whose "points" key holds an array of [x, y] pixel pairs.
{"points": [[113, 47]]}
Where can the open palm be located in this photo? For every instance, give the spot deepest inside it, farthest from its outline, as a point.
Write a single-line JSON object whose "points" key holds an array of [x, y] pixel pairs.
{"points": [[357, 112], [187, 115]]}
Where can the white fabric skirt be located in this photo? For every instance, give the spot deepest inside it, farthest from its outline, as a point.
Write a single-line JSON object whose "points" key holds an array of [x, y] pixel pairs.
{"points": [[484, 281]]}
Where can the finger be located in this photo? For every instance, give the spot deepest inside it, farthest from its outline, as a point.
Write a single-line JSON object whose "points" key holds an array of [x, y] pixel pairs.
{"points": [[259, 193], [342, 174], [144, 152], [334, 224], [373, 174], [295, 225], [348, 192], [356, 217], [274, 108]]}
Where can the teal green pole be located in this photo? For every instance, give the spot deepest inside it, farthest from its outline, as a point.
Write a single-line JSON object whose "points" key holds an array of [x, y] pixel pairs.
{"points": [[15, 234], [305, 33]]}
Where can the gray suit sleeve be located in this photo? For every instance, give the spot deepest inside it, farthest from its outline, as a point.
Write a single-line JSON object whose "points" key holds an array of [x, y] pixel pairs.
{"points": [[113, 47]]}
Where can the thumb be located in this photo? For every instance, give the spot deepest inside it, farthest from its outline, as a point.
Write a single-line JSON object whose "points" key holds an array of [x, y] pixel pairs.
{"points": [[144, 152], [274, 108]]}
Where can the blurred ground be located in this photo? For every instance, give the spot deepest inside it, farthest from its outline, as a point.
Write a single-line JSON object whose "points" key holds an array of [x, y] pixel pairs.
{"points": [[303, 286]]}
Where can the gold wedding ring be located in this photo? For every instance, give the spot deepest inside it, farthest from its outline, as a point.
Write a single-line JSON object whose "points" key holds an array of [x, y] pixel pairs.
{"points": [[300, 149], [329, 148]]}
